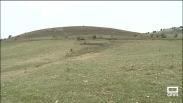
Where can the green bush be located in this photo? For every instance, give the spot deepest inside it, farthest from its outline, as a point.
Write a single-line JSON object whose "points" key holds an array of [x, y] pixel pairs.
{"points": [[135, 35], [94, 37], [80, 38], [163, 35]]}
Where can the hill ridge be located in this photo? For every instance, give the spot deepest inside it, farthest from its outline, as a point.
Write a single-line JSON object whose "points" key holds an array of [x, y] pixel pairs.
{"points": [[78, 31]]}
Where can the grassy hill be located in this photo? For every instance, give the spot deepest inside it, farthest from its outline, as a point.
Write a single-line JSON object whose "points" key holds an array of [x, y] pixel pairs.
{"points": [[78, 31], [68, 70]]}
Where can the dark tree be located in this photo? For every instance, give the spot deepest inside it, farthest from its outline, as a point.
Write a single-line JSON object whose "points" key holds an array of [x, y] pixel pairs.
{"points": [[9, 36], [154, 31]]}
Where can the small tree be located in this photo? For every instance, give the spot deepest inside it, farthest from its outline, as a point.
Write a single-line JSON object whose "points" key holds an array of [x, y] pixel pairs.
{"points": [[9, 36]]}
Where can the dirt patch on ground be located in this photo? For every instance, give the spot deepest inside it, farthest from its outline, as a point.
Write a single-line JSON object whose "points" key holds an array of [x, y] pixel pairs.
{"points": [[86, 56]]}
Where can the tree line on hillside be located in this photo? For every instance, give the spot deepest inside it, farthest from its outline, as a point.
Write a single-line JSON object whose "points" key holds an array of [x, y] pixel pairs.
{"points": [[162, 33]]}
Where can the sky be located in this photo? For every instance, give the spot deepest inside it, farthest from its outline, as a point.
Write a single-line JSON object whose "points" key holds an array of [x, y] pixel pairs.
{"points": [[18, 17]]}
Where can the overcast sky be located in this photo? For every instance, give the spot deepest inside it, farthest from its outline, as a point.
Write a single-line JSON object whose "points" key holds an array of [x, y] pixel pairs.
{"points": [[140, 16]]}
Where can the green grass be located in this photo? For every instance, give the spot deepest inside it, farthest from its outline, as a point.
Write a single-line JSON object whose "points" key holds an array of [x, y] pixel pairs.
{"points": [[101, 71]]}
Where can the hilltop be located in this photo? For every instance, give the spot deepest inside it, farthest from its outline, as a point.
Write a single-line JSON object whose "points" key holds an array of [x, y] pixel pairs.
{"points": [[78, 31]]}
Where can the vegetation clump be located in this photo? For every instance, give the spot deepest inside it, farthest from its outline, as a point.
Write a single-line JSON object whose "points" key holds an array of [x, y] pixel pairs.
{"points": [[163, 35]]}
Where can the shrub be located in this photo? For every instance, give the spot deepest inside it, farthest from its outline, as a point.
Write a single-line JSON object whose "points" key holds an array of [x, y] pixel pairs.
{"points": [[151, 35], [71, 50], [176, 35], [163, 35], [135, 35], [157, 36], [80, 38], [94, 37]]}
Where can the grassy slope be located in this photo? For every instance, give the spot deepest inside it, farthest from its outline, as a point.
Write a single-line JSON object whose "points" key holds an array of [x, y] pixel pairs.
{"points": [[127, 71], [78, 31]]}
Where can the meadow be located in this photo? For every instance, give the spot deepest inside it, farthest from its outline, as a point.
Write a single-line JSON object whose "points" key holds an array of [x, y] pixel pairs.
{"points": [[94, 71]]}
